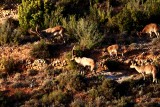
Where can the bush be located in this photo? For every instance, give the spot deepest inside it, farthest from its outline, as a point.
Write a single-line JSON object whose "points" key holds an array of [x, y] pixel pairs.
{"points": [[156, 42], [33, 12], [72, 81], [88, 34], [77, 83], [84, 31], [56, 98], [9, 65], [71, 65], [100, 15], [9, 32], [108, 88], [40, 50], [124, 102], [93, 93], [53, 71], [135, 15], [78, 103]]}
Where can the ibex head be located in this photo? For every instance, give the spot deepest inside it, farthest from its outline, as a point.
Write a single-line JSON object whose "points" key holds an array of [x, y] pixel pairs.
{"points": [[84, 61], [36, 32], [49, 32]]}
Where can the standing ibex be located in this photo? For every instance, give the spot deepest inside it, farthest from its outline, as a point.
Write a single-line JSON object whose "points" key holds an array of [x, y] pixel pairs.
{"points": [[84, 61], [150, 28], [113, 49], [146, 69], [57, 30]]}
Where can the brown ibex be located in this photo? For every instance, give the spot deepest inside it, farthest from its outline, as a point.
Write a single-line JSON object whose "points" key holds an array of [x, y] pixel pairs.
{"points": [[57, 30], [84, 61], [150, 28], [113, 49], [146, 69]]}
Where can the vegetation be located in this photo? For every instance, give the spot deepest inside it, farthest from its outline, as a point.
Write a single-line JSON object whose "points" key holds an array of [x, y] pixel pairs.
{"points": [[8, 65], [40, 50], [10, 32], [90, 25]]}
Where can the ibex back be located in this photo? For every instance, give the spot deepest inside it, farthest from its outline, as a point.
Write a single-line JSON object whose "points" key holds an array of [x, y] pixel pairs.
{"points": [[113, 49], [149, 29], [146, 69], [84, 61], [57, 30]]}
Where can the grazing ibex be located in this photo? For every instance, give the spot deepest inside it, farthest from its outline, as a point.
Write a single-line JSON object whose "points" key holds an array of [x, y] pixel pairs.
{"points": [[57, 30], [84, 61], [146, 69], [113, 49], [150, 28]]}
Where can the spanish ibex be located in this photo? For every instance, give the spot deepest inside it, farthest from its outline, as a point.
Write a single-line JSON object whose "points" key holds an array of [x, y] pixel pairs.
{"points": [[113, 49], [84, 61], [57, 30], [146, 69], [150, 28]]}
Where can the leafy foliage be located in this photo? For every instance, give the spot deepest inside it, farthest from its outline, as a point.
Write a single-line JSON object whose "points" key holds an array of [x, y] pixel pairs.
{"points": [[9, 65], [84, 31], [40, 50], [134, 15], [9, 32], [33, 12]]}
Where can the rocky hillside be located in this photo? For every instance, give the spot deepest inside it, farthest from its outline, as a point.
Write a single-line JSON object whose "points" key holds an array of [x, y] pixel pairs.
{"points": [[39, 73]]}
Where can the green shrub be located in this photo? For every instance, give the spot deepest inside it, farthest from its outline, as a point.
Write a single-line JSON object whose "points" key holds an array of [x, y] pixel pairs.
{"points": [[53, 19], [99, 14], [70, 24], [77, 83], [53, 72], [9, 65], [56, 98], [71, 65], [72, 81], [124, 102], [84, 31], [93, 93], [49, 84], [78, 103], [88, 34], [9, 32], [32, 103], [40, 50], [33, 12], [108, 88], [135, 15], [100, 101]]}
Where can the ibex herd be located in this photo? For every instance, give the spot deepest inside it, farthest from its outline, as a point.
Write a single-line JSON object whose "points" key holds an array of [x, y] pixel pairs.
{"points": [[112, 49]]}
